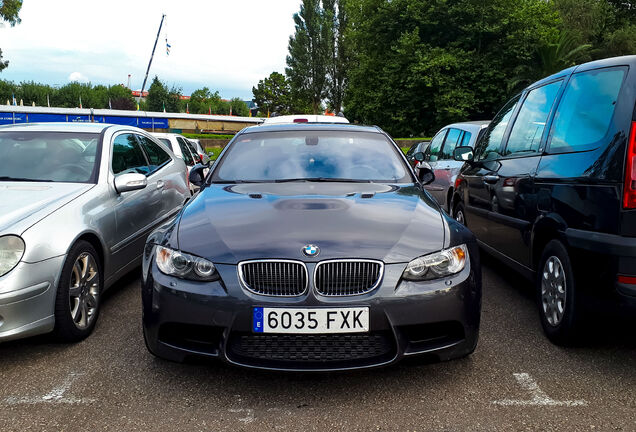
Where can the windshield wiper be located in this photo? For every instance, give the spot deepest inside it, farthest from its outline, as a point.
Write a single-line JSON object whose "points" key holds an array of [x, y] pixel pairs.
{"points": [[321, 179], [7, 178]]}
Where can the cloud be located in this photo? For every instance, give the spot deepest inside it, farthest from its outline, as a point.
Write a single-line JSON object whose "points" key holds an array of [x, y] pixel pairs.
{"points": [[77, 76], [246, 43]]}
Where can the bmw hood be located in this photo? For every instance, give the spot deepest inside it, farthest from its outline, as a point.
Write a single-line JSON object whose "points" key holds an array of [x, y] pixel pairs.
{"points": [[231, 223], [24, 203]]}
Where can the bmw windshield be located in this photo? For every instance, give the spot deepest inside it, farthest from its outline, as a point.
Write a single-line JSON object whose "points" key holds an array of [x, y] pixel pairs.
{"points": [[48, 156], [306, 155]]}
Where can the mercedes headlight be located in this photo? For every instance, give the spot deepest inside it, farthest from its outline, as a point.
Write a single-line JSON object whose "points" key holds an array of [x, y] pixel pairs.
{"points": [[11, 251], [182, 265], [437, 265]]}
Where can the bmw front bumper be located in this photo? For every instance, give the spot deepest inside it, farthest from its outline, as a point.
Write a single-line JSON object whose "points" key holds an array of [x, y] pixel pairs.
{"points": [[184, 318]]}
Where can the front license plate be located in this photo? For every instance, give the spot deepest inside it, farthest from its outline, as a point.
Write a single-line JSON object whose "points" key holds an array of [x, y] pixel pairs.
{"points": [[303, 320]]}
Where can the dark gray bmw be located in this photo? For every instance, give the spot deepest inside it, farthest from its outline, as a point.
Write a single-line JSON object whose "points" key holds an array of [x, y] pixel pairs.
{"points": [[311, 247]]}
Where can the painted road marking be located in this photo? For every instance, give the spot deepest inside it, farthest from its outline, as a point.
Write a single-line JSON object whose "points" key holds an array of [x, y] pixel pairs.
{"points": [[538, 396], [54, 396]]}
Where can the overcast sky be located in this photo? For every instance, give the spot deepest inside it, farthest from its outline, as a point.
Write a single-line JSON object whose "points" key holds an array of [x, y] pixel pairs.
{"points": [[226, 45]]}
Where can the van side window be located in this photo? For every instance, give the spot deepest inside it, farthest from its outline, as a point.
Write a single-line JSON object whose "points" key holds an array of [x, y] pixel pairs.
{"points": [[527, 131], [432, 155], [490, 145], [585, 112]]}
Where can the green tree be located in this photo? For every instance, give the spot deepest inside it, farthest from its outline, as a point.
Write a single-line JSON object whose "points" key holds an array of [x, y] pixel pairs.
{"points": [[31, 92], [306, 61], [273, 94], [121, 98], [239, 108], [69, 95], [562, 53], [337, 59], [159, 96], [9, 10], [417, 64]]}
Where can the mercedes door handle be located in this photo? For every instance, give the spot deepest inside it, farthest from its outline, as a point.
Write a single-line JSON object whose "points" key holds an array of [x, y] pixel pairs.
{"points": [[492, 179], [160, 184]]}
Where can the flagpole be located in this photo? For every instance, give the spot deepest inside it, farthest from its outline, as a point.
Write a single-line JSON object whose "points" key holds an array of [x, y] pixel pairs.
{"points": [[150, 62]]}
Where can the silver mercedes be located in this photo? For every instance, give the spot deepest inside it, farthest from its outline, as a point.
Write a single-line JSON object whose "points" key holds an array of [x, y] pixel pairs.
{"points": [[77, 202]]}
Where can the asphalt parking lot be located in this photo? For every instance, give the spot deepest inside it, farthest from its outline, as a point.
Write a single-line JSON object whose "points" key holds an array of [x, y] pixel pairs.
{"points": [[516, 380]]}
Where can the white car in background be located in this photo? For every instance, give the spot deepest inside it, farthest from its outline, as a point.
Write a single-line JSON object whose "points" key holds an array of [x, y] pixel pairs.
{"points": [[182, 148], [305, 118]]}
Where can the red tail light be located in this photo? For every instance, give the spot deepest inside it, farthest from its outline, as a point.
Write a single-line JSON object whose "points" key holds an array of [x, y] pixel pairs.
{"points": [[301, 120], [627, 280], [629, 194], [458, 181]]}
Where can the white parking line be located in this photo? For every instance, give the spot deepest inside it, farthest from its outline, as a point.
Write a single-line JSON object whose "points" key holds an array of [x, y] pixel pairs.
{"points": [[54, 396], [538, 396]]}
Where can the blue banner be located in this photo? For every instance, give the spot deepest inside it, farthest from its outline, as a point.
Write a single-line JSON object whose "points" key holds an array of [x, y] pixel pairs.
{"points": [[161, 123], [79, 118], [145, 122], [126, 121], [6, 118], [39, 117], [19, 117]]}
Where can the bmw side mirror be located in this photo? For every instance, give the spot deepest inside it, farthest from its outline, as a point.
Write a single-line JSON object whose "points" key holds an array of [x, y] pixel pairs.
{"points": [[425, 173], [419, 156], [196, 176], [130, 182], [463, 154]]}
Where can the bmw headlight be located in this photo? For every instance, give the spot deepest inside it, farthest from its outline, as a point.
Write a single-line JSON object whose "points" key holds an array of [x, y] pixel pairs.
{"points": [[180, 264], [437, 265], [11, 251]]}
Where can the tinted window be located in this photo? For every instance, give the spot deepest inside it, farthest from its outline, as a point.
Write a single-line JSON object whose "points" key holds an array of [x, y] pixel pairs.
{"points": [[412, 150], [303, 154], [450, 143], [167, 142], [185, 151], [127, 156], [466, 139], [585, 112], [436, 146], [156, 155], [490, 145], [527, 131], [49, 156]]}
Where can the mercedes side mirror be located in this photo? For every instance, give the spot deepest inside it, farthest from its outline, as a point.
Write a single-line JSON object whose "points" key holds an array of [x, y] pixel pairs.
{"points": [[196, 176], [425, 173], [130, 182], [463, 154]]}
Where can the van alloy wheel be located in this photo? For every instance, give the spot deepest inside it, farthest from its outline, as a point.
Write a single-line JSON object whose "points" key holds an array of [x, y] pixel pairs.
{"points": [[84, 290], [553, 290]]}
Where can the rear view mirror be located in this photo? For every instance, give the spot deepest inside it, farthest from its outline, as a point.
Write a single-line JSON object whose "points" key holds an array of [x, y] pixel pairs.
{"points": [[425, 173], [463, 154], [196, 176], [419, 156], [130, 182]]}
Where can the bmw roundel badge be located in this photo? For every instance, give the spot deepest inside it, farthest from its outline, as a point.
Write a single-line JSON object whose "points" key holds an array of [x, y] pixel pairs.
{"points": [[311, 250]]}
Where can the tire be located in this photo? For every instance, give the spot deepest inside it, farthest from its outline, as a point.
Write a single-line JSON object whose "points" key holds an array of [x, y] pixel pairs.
{"points": [[459, 213], [77, 302], [558, 302]]}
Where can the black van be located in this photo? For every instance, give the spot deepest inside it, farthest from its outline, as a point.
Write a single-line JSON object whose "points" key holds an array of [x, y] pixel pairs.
{"points": [[551, 190]]}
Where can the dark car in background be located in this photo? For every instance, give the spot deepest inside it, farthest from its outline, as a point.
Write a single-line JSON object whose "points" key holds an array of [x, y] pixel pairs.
{"points": [[418, 147], [311, 247], [551, 190], [439, 156]]}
